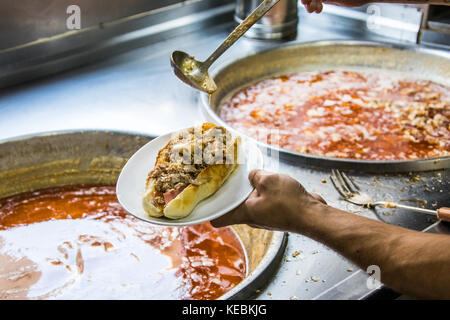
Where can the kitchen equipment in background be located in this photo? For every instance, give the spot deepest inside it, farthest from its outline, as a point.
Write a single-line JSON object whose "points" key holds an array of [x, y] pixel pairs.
{"points": [[36, 42], [278, 23], [351, 192], [436, 27], [415, 23], [394, 21]]}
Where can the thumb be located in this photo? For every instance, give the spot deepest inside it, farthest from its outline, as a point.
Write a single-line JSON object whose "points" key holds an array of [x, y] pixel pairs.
{"points": [[256, 177], [235, 216]]}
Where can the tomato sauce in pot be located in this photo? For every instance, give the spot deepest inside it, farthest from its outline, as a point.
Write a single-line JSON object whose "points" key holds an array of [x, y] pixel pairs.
{"points": [[346, 114], [77, 242]]}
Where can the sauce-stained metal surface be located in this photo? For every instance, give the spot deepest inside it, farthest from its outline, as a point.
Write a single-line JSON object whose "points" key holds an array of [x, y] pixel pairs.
{"points": [[136, 91]]}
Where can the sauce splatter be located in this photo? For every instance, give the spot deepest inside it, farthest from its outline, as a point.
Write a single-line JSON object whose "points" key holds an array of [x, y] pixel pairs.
{"points": [[77, 242]]}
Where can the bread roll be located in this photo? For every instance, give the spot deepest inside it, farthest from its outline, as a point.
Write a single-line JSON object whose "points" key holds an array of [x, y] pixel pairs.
{"points": [[191, 167]]}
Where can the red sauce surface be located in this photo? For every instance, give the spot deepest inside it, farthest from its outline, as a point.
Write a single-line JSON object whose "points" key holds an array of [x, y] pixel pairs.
{"points": [[346, 114], [77, 242]]}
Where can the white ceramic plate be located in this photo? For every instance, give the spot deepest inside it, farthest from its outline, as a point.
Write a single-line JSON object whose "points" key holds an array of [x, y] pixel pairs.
{"points": [[131, 184]]}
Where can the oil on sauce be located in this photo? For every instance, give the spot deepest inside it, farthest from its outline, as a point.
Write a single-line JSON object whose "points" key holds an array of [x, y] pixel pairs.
{"points": [[365, 115], [77, 242]]}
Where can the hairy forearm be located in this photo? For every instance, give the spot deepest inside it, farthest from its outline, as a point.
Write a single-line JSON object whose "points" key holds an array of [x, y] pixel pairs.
{"points": [[411, 262]]}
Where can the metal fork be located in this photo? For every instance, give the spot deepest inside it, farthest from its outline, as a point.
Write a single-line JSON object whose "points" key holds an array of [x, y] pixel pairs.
{"points": [[351, 192]]}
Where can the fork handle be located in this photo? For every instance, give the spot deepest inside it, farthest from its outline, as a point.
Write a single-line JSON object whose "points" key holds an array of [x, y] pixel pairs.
{"points": [[441, 213]]}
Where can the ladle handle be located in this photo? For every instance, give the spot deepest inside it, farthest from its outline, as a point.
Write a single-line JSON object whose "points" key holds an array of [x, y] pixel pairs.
{"points": [[261, 10], [441, 213], [444, 214]]}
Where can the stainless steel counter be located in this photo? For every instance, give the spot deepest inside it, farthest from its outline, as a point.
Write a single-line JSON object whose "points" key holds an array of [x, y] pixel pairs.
{"points": [[136, 91]]}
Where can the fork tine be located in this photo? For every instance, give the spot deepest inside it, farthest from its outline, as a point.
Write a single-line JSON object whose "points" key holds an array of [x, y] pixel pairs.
{"points": [[337, 187], [341, 181], [338, 184], [351, 185]]}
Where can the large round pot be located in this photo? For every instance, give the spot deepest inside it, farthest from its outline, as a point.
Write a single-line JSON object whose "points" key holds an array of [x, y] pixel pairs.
{"points": [[325, 55], [97, 157]]}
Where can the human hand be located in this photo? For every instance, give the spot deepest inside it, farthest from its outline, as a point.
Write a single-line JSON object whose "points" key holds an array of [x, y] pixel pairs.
{"points": [[317, 5], [278, 202]]}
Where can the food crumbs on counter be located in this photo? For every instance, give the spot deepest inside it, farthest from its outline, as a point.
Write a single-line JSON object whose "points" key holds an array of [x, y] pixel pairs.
{"points": [[323, 180], [315, 279], [415, 179], [349, 270], [416, 200], [269, 294], [296, 253], [315, 252], [258, 291], [353, 209], [390, 205], [293, 298]]}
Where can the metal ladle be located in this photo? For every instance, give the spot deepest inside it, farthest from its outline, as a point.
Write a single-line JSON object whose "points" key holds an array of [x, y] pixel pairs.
{"points": [[194, 72]]}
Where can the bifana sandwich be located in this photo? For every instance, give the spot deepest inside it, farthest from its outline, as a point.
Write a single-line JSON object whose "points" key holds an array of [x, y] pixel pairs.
{"points": [[192, 166]]}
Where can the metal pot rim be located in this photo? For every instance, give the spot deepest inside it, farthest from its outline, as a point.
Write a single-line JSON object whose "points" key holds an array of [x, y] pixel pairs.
{"points": [[72, 131]]}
